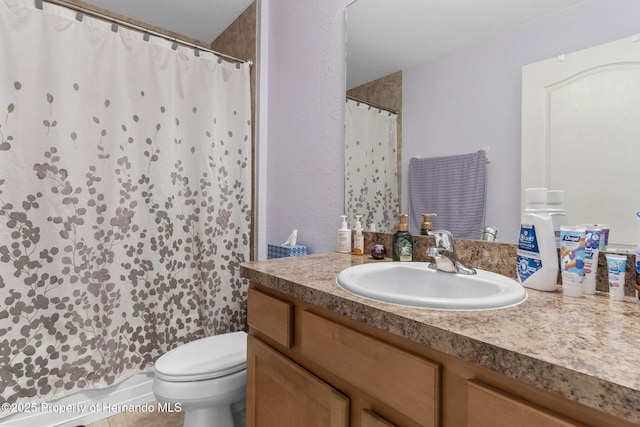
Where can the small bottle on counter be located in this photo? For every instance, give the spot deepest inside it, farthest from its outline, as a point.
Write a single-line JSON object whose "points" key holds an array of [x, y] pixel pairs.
{"points": [[378, 251], [402, 247], [617, 269], [344, 236], [358, 239]]}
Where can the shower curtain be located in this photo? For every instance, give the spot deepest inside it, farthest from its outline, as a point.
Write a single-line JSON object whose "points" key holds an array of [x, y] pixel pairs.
{"points": [[124, 199], [371, 179]]}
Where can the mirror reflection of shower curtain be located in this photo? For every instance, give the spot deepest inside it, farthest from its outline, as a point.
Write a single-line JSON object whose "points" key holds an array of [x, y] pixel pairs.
{"points": [[125, 200], [371, 178]]}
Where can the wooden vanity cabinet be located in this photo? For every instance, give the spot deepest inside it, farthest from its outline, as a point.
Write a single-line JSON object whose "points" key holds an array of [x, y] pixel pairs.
{"points": [[331, 373], [281, 393], [308, 366]]}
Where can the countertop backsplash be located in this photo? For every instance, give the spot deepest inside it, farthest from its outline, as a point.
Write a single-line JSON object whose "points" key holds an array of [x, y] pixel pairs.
{"points": [[494, 256]]}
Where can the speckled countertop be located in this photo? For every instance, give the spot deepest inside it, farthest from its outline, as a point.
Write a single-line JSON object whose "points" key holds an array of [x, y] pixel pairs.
{"points": [[585, 349]]}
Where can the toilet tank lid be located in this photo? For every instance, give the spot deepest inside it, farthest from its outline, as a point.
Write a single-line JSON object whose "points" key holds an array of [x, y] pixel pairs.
{"points": [[205, 358]]}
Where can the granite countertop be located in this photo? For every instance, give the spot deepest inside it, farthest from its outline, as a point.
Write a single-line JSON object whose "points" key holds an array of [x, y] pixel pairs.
{"points": [[585, 349]]}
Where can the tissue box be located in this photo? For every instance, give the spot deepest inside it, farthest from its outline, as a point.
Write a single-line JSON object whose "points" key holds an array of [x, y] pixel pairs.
{"points": [[281, 251]]}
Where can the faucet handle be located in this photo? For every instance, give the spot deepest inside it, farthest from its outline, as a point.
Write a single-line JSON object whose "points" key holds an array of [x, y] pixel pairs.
{"points": [[433, 251], [449, 262], [444, 240]]}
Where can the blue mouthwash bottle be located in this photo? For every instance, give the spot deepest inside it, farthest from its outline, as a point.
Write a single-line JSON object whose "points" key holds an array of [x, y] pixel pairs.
{"points": [[537, 258]]}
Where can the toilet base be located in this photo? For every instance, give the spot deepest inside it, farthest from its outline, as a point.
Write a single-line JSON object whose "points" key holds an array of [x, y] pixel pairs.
{"points": [[239, 411], [208, 417], [206, 403], [221, 416]]}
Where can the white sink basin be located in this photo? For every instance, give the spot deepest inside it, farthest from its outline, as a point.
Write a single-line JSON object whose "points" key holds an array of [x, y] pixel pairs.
{"points": [[414, 284]]}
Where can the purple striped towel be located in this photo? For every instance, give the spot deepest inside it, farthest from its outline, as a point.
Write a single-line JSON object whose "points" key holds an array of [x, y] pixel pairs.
{"points": [[453, 187]]}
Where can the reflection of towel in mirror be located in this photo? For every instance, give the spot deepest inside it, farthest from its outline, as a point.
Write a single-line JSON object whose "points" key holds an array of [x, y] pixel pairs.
{"points": [[454, 187]]}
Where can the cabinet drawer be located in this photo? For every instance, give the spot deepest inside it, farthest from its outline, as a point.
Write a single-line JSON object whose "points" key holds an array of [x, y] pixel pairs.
{"points": [[488, 407], [405, 382], [271, 317]]}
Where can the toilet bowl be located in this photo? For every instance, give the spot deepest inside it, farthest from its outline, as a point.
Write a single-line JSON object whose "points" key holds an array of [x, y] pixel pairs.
{"points": [[206, 379]]}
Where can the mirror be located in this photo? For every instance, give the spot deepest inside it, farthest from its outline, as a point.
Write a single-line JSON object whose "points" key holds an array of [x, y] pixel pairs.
{"points": [[462, 75], [371, 156], [373, 153], [580, 132]]}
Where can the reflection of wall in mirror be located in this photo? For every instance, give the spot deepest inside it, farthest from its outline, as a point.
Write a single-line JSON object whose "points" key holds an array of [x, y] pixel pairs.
{"points": [[472, 98], [580, 132], [386, 92]]}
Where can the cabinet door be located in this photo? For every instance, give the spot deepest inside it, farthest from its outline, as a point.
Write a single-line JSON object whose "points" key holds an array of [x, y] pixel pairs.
{"points": [[488, 407], [400, 380], [371, 419], [281, 393]]}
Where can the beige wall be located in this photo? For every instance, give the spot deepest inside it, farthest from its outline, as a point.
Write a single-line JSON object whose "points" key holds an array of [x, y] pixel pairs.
{"points": [[239, 40]]}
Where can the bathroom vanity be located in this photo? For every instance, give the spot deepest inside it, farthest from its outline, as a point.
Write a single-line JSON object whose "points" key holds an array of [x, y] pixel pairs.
{"points": [[320, 356]]}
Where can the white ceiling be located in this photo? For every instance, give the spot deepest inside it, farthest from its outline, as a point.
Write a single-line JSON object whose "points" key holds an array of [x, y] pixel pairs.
{"points": [[383, 36], [202, 20]]}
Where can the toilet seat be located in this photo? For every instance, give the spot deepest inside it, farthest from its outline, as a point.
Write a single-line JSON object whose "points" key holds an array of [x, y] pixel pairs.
{"points": [[203, 359]]}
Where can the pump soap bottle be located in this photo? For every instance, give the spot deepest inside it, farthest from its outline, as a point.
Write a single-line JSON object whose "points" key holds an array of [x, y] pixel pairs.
{"points": [[344, 236], [358, 240], [537, 260], [402, 241], [426, 226]]}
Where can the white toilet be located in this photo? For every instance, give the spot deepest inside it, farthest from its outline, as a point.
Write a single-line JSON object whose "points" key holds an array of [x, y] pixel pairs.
{"points": [[207, 378]]}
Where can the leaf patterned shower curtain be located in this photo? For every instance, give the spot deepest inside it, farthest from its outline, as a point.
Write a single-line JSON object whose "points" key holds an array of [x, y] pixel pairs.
{"points": [[124, 200], [371, 169]]}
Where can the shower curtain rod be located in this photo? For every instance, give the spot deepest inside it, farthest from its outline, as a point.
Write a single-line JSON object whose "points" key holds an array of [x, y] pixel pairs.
{"points": [[140, 28], [371, 104]]}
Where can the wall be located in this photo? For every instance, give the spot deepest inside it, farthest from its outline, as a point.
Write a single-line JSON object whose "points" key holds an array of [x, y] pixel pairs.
{"points": [[301, 88], [471, 98], [239, 40]]}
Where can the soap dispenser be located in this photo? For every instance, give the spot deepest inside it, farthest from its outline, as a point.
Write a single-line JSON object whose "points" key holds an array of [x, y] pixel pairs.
{"points": [[358, 239], [344, 236], [402, 241], [426, 226]]}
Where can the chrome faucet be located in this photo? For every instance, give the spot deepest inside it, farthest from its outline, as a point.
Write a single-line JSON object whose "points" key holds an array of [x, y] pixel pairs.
{"points": [[448, 263]]}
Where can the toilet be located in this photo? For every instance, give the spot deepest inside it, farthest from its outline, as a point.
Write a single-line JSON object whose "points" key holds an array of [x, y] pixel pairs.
{"points": [[206, 379]]}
